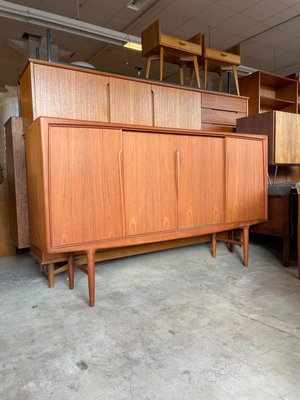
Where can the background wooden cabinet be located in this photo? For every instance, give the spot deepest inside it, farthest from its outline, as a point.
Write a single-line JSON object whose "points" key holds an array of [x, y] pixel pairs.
{"points": [[61, 90], [283, 130], [17, 183], [268, 92]]}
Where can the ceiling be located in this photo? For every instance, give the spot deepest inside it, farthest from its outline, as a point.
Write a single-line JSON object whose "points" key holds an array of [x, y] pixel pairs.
{"points": [[268, 30]]}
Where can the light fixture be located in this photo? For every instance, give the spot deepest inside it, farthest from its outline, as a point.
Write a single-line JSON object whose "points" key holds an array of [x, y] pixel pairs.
{"points": [[64, 24], [137, 5], [133, 46]]}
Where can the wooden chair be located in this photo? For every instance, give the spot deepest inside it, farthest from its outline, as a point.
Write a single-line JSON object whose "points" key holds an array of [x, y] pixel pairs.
{"points": [[217, 61], [156, 46]]}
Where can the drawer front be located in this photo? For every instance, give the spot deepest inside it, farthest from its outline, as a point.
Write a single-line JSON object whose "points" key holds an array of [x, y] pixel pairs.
{"points": [[220, 117], [228, 103], [182, 45]]}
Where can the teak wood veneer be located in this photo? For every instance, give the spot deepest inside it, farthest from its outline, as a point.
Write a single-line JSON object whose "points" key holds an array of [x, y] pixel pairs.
{"points": [[100, 186]]}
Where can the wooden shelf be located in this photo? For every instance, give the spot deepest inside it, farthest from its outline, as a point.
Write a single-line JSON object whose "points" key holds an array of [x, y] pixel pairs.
{"points": [[274, 103], [269, 91]]}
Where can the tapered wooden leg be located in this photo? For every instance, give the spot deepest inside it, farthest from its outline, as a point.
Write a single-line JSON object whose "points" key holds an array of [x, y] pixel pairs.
{"points": [[50, 268], [91, 276], [235, 74], [231, 245], [220, 80], [213, 244], [161, 63], [191, 76], [196, 67], [148, 67], [181, 75], [71, 270], [205, 73], [246, 245]]}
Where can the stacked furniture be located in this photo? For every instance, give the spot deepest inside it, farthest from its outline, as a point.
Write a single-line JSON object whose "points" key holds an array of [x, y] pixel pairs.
{"points": [[273, 109], [50, 89]]}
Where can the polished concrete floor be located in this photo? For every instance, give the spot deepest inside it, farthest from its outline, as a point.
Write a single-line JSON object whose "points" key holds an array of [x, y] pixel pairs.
{"points": [[172, 325]]}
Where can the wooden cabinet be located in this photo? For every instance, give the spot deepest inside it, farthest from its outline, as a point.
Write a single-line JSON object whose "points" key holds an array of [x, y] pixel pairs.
{"points": [[49, 90], [98, 186], [61, 90], [176, 108], [130, 102], [17, 183], [268, 92], [283, 130]]}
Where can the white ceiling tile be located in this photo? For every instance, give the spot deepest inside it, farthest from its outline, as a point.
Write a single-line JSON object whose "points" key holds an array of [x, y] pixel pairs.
{"points": [[291, 27], [264, 9], [216, 37], [280, 18], [111, 6], [189, 8], [62, 7], [27, 3], [190, 28], [238, 5], [94, 16], [237, 24], [215, 14], [118, 23], [256, 29]]}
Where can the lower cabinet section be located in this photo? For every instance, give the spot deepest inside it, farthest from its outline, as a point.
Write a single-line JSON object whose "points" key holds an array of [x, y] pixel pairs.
{"points": [[99, 185]]}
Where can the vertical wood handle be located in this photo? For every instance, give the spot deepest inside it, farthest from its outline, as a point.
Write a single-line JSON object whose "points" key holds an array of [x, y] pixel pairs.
{"points": [[177, 171]]}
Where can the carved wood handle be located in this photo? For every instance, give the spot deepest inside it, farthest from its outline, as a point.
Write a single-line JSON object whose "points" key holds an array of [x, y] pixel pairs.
{"points": [[177, 171]]}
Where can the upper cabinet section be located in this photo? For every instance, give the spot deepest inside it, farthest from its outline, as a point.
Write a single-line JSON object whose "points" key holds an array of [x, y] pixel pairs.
{"points": [[65, 91], [268, 92]]}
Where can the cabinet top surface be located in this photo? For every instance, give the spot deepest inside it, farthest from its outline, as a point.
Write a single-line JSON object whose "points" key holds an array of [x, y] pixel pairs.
{"points": [[126, 77], [48, 121]]}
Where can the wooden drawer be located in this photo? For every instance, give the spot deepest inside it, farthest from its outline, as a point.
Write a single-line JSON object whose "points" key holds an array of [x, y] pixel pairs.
{"points": [[227, 103], [177, 44], [220, 117]]}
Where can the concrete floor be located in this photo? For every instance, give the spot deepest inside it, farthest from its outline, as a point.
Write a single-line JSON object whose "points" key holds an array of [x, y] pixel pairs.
{"points": [[174, 325]]}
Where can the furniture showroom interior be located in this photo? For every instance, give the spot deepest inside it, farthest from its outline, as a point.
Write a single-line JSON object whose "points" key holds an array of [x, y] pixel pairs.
{"points": [[150, 200]]}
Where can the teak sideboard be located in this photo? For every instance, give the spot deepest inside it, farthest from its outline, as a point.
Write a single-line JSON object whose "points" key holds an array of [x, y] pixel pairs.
{"points": [[66, 91], [101, 185]]}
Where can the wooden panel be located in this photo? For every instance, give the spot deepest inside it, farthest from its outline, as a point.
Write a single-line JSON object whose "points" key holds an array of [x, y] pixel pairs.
{"points": [[17, 183], [228, 103], [262, 124], [220, 117], [26, 99], [85, 203], [176, 108], [6, 246], [60, 92], [287, 131], [219, 128], [246, 180], [35, 183], [150, 182], [130, 102], [201, 180]]}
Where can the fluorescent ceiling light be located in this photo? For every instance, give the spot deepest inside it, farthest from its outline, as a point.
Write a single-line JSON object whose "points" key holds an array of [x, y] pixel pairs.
{"points": [[64, 24], [133, 46]]}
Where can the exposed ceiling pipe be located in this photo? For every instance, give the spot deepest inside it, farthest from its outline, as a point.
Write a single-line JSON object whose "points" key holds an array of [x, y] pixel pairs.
{"points": [[64, 24]]}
